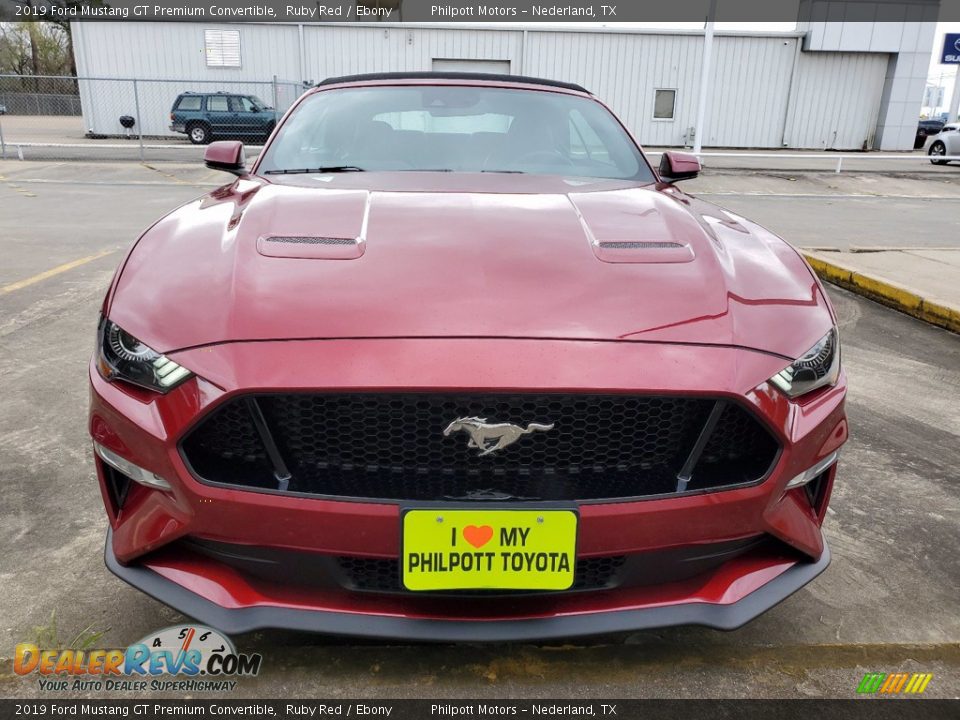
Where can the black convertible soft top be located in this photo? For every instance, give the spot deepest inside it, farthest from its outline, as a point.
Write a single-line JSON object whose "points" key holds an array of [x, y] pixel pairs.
{"points": [[451, 76]]}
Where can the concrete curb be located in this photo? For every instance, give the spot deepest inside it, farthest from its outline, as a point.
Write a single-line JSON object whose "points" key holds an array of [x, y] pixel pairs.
{"points": [[886, 292]]}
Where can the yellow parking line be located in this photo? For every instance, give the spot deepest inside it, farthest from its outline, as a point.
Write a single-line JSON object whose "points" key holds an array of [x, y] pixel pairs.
{"points": [[20, 284]]}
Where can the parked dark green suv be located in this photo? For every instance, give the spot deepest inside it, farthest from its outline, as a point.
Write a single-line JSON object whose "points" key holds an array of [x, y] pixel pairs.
{"points": [[203, 115]]}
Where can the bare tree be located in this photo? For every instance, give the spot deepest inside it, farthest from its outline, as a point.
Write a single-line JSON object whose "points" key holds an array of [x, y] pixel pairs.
{"points": [[14, 49], [64, 24], [33, 48]]}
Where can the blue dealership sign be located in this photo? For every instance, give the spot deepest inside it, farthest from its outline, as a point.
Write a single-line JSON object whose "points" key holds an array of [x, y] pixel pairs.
{"points": [[951, 49]]}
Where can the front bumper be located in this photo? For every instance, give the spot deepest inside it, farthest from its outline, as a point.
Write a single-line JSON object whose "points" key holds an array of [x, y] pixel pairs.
{"points": [[144, 544], [236, 620]]}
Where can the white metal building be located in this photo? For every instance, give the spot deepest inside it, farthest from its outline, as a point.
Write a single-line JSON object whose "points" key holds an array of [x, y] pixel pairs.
{"points": [[829, 85]]}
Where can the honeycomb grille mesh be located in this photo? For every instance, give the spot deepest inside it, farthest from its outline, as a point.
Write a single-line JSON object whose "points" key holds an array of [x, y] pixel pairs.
{"points": [[393, 446], [383, 575]]}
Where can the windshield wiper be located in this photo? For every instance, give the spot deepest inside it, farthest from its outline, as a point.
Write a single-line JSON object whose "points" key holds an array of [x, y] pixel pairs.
{"points": [[307, 171], [512, 172]]}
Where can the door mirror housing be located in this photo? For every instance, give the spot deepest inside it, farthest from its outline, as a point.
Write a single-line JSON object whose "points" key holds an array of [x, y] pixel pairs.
{"points": [[676, 166], [226, 155]]}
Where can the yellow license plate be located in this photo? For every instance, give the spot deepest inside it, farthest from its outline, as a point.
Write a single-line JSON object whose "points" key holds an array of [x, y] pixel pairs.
{"points": [[446, 549]]}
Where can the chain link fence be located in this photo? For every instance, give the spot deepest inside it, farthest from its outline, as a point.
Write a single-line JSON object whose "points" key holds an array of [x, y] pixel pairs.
{"points": [[155, 120]]}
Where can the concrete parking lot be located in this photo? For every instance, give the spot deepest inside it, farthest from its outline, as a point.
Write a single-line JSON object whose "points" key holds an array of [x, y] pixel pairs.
{"points": [[887, 603]]}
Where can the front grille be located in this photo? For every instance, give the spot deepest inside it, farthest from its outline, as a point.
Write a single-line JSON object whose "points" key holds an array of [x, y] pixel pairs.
{"points": [[383, 575], [393, 447]]}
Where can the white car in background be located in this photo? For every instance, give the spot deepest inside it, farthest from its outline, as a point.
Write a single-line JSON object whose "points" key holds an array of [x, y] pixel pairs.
{"points": [[946, 142]]}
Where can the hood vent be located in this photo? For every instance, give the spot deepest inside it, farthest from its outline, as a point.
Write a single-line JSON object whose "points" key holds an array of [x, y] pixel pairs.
{"points": [[307, 247], [638, 245], [642, 251], [303, 240]]}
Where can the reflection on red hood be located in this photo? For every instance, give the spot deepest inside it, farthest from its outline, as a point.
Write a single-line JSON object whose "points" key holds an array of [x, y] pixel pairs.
{"points": [[431, 255]]}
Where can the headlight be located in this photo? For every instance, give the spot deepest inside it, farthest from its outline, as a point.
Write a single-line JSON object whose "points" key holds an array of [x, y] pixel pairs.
{"points": [[817, 367], [122, 357]]}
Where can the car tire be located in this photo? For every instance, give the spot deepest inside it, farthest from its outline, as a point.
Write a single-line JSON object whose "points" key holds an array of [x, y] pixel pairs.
{"points": [[938, 148], [199, 133]]}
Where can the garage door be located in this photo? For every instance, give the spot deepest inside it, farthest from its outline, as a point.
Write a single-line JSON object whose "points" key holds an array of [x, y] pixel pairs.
{"points": [[835, 100]]}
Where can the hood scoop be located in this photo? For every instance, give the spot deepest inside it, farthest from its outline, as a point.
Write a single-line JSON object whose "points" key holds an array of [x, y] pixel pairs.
{"points": [[308, 247], [641, 251], [624, 227], [637, 245]]}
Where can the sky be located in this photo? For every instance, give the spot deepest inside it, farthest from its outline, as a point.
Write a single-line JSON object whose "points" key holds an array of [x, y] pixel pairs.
{"points": [[944, 75]]}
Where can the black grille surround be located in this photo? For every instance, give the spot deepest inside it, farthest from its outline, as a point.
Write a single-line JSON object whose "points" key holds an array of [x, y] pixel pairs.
{"points": [[391, 447]]}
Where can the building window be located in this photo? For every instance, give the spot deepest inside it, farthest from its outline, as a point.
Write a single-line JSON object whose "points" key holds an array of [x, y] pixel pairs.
{"points": [[664, 103], [222, 48]]}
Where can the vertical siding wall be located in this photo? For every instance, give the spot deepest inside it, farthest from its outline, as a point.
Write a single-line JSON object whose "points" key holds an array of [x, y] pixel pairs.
{"points": [[152, 52], [624, 70], [752, 76], [767, 93], [332, 50]]}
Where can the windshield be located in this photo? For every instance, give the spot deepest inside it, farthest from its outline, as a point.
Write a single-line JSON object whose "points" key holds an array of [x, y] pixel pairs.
{"points": [[457, 129]]}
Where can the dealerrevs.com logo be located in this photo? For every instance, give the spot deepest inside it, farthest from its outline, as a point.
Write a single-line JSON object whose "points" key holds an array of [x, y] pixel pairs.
{"points": [[180, 658]]}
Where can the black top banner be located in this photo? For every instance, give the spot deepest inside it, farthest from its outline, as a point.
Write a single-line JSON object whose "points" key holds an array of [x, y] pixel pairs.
{"points": [[458, 11]]}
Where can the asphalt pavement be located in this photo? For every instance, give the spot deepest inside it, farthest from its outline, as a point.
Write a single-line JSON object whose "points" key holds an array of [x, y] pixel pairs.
{"points": [[887, 603]]}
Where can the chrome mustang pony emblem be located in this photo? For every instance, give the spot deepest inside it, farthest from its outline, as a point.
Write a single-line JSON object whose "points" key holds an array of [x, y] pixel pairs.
{"points": [[490, 437]]}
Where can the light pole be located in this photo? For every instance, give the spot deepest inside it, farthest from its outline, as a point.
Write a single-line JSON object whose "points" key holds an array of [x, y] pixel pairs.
{"points": [[955, 98], [704, 77]]}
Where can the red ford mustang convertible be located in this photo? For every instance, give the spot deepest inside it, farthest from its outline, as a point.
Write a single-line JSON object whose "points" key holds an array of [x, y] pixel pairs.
{"points": [[452, 361]]}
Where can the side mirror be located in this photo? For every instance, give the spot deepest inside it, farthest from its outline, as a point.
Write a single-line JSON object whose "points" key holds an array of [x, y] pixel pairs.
{"points": [[226, 155], [676, 166]]}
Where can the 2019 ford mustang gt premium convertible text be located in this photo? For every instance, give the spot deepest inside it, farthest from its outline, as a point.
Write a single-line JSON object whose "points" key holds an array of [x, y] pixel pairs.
{"points": [[452, 361]]}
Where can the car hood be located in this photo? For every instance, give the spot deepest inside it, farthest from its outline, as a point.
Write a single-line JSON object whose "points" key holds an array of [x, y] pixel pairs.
{"points": [[499, 256]]}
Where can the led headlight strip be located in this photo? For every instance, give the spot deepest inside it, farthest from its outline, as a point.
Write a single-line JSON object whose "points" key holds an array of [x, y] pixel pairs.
{"points": [[818, 367], [124, 357]]}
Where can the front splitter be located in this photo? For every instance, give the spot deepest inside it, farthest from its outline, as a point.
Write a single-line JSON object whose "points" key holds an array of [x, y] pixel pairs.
{"points": [[241, 620]]}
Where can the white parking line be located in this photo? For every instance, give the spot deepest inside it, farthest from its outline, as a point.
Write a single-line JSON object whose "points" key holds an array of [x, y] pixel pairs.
{"points": [[846, 196], [116, 183]]}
